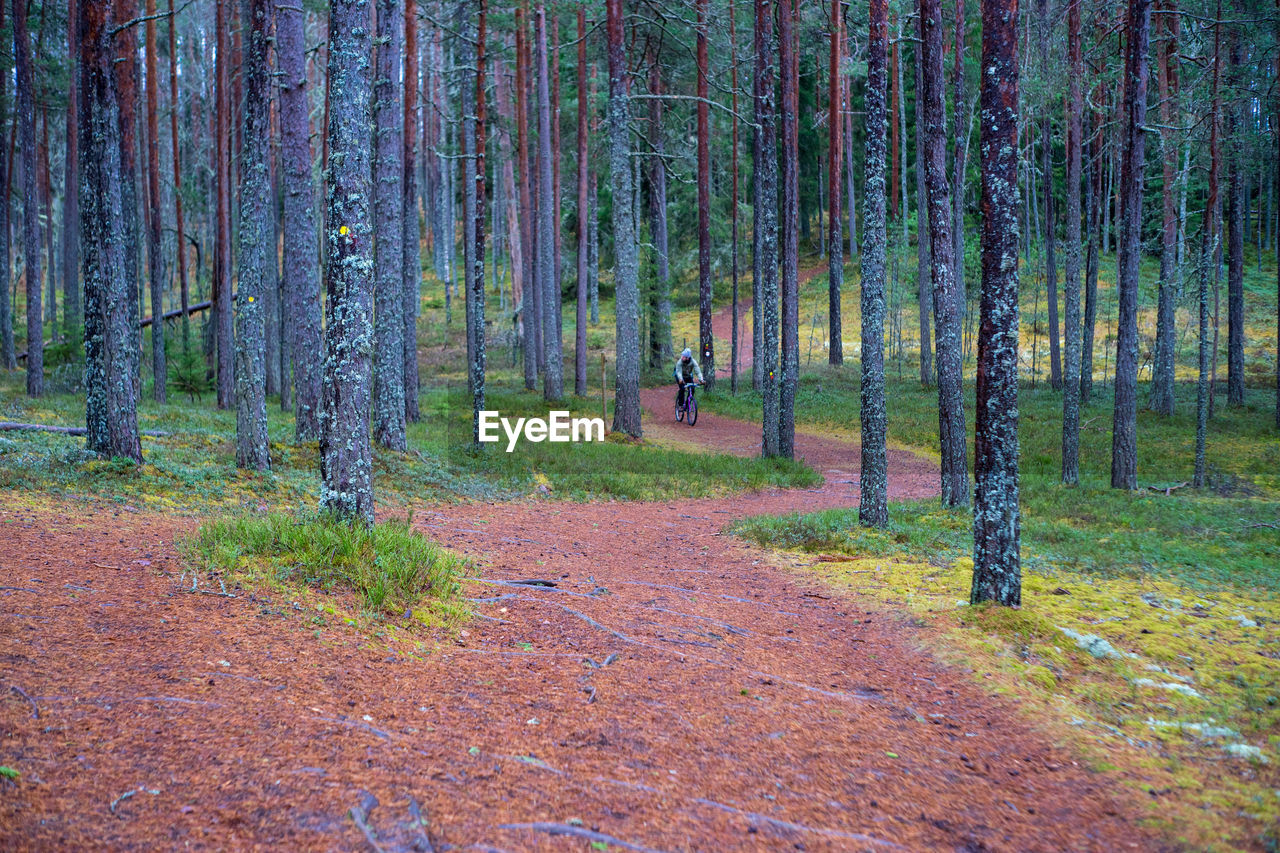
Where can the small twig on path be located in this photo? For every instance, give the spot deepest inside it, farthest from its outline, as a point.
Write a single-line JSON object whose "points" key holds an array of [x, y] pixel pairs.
{"points": [[19, 588], [788, 826], [127, 794], [1168, 490], [356, 724], [360, 816], [35, 709], [1262, 524], [578, 832]]}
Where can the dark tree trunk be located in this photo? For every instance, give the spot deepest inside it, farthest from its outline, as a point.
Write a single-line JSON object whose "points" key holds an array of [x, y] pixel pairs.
{"points": [[997, 572], [1162, 397], [532, 309], [1124, 432], [706, 342], [388, 217], [946, 303], [626, 403], [733, 248], [411, 270], [660, 333], [959, 157], [593, 214], [71, 308], [301, 272], [1093, 204], [1050, 204], [924, 273], [111, 398], [155, 260], [222, 229], [873, 504], [465, 168], [252, 254], [765, 227], [477, 177], [1237, 201], [584, 205], [1208, 263], [1071, 293], [8, 357], [548, 283], [26, 117], [835, 258], [346, 448], [789, 64]]}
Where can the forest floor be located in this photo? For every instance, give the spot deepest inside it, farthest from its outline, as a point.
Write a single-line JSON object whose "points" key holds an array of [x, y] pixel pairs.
{"points": [[677, 688]]}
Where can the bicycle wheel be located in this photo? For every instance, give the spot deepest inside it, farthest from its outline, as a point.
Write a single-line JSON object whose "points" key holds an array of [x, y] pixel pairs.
{"points": [[693, 410], [679, 412]]}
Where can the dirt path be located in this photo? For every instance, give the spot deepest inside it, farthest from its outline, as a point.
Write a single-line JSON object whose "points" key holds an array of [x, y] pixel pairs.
{"points": [[722, 324], [673, 691]]}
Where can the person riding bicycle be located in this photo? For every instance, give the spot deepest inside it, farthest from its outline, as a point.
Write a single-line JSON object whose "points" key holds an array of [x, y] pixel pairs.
{"points": [[687, 372]]}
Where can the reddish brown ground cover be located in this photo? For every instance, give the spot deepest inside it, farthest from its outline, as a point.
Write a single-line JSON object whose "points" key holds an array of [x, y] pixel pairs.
{"points": [[673, 691]]}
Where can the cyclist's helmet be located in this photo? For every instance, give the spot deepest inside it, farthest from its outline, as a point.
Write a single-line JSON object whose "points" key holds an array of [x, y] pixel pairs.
{"points": [[686, 355]]}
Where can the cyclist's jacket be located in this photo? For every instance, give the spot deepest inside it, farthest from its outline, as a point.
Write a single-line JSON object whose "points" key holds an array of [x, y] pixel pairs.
{"points": [[686, 371]]}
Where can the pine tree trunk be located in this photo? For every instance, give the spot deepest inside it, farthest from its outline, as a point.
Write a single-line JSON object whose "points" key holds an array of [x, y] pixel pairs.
{"points": [[593, 217], [764, 254], [411, 240], [835, 258], [1071, 292], [946, 303], [997, 573], [873, 504], [532, 310], [388, 217], [111, 399], [626, 403], [301, 272], [222, 230], [31, 249], [660, 335], [8, 356], [584, 206], [1050, 208], [706, 343], [155, 261], [789, 64], [253, 250], [1124, 438], [1208, 264], [1093, 203], [733, 248], [477, 178], [960, 156], [924, 273], [464, 168], [72, 310], [549, 284], [346, 451], [1162, 396], [1237, 202]]}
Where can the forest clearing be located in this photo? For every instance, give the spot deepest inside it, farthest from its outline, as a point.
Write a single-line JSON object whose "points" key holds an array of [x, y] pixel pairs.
{"points": [[934, 354]]}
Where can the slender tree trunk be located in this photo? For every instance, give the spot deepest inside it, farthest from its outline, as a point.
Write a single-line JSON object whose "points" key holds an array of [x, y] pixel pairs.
{"points": [[552, 334], [960, 156], [155, 261], [924, 273], [476, 298], [660, 335], [835, 259], [1237, 202], [111, 399], [584, 206], [411, 241], [764, 289], [997, 571], [301, 272], [252, 255], [626, 403], [1124, 438], [946, 303], [1093, 203], [850, 177], [873, 505], [346, 451], [789, 64], [1050, 206], [465, 169], [1162, 396], [222, 231], [1071, 379], [25, 115], [1208, 263], [593, 217], [8, 357], [388, 217], [733, 248], [71, 297], [532, 310], [706, 342]]}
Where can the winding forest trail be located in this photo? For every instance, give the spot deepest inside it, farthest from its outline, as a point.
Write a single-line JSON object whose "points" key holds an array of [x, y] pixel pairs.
{"points": [[675, 690]]}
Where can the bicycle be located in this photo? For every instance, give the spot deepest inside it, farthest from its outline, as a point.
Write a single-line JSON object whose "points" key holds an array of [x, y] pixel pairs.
{"points": [[688, 411]]}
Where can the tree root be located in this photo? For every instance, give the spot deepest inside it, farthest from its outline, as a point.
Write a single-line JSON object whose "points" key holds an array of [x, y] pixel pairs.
{"points": [[788, 826], [578, 832], [35, 709]]}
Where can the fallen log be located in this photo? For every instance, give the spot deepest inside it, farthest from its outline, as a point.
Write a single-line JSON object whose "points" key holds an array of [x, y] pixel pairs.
{"points": [[147, 321], [6, 426]]}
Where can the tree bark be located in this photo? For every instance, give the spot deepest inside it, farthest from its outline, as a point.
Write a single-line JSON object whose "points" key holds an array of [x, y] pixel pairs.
{"points": [[549, 284], [626, 402], [8, 357], [72, 310], [789, 63], [924, 274], [532, 310], [155, 261], [835, 257], [411, 268], [997, 572], [946, 303], [706, 342], [346, 451], [1071, 293], [1208, 263], [111, 397], [252, 252], [584, 205], [660, 333], [1162, 396], [388, 217], [31, 249], [1050, 207], [733, 238], [222, 229], [476, 298], [1237, 201], [873, 504], [764, 282], [1093, 204]]}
